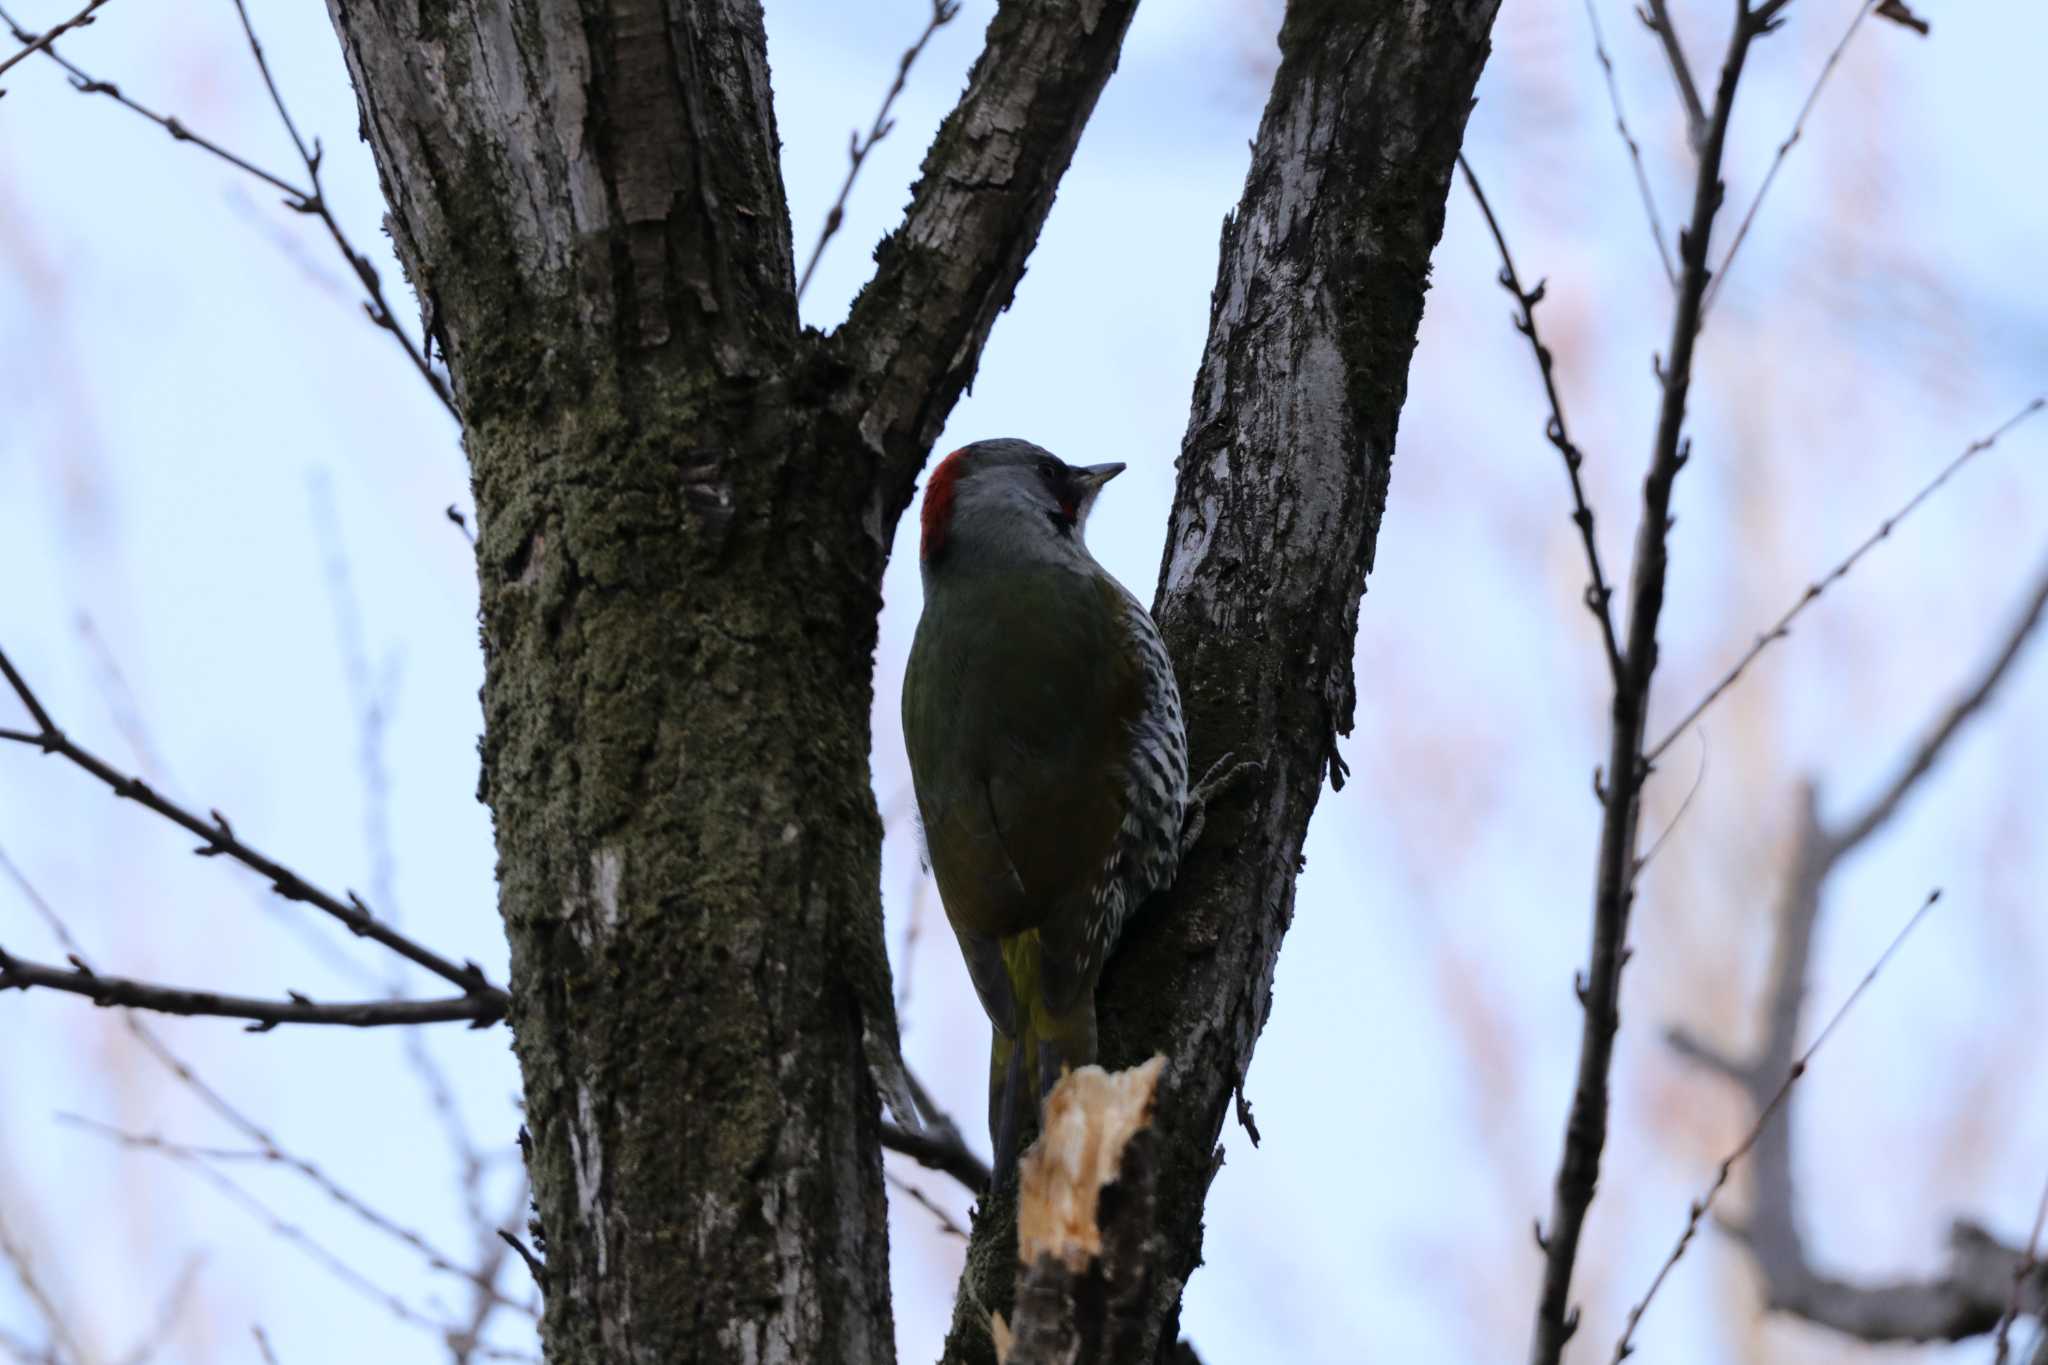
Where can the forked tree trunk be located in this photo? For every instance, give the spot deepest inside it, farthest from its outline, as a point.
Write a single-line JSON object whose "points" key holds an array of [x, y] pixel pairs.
{"points": [[1283, 476], [685, 503]]}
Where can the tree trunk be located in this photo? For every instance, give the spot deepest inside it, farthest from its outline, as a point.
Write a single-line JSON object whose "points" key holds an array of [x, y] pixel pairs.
{"points": [[1283, 477], [684, 508], [685, 503]]}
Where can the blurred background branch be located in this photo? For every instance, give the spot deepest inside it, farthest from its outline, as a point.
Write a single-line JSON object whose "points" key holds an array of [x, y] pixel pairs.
{"points": [[1970, 1297]]}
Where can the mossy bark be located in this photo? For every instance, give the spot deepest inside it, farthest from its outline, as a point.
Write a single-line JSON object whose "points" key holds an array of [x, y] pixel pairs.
{"points": [[684, 502], [676, 755]]}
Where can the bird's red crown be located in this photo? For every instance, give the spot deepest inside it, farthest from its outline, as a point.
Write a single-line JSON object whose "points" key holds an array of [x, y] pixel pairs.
{"points": [[938, 503]]}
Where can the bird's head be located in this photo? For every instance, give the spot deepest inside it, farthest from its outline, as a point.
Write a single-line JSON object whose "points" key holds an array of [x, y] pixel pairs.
{"points": [[1008, 499]]}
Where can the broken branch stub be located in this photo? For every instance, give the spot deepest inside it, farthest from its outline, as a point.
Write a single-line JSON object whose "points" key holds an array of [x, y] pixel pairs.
{"points": [[1085, 1224]]}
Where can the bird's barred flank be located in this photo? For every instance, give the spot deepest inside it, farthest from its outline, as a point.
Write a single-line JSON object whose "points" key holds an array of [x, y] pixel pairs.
{"points": [[1047, 749]]}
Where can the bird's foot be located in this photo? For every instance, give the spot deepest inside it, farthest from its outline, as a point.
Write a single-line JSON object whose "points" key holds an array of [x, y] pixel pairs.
{"points": [[1223, 774]]}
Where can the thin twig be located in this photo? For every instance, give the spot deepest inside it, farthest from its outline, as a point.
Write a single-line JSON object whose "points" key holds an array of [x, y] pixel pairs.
{"points": [[20, 974], [858, 147], [940, 1147], [43, 909], [1881, 807], [939, 1152], [220, 839], [274, 1151], [2028, 1264], [297, 1236], [298, 199], [128, 718], [1635, 153], [173, 1306], [1700, 1206], [1599, 596], [170, 123], [263, 1345], [1798, 130], [1658, 18], [535, 1266], [122, 706], [906, 948], [268, 1149], [924, 1201], [269, 1153], [371, 702], [374, 304], [55, 1324], [1699, 779], [41, 42], [1953, 1306], [1783, 626], [491, 1250], [1599, 986]]}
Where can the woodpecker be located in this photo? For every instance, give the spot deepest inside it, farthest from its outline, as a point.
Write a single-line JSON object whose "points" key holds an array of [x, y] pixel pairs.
{"points": [[1048, 754]]}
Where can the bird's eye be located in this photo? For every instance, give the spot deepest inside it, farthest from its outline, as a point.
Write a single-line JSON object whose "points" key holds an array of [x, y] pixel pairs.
{"points": [[1049, 470]]}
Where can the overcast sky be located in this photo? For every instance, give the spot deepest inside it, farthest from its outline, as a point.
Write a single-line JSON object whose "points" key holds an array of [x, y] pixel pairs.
{"points": [[207, 455]]}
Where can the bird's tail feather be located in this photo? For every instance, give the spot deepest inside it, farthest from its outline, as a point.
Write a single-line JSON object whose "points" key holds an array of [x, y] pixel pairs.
{"points": [[1028, 1059]]}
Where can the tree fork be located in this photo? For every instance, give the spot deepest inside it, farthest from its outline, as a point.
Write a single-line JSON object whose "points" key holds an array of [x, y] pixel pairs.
{"points": [[1282, 479], [685, 503]]}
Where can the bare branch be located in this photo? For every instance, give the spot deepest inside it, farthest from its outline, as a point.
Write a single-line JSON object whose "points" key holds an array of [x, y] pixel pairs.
{"points": [[1976, 1290], [1700, 1206], [43, 908], [915, 334], [128, 718], [269, 1149], [268, 1152], [1658, 18], [940, 1147], [1783, 626], [170, 123], [1881, 808], [284, 1230], [28, 698], [299, 200], [925, 1202], [1635, 153], [534, 1265], [35, 43], [857, 150], [1599, 597], [492, 1248], [941, 1151], [220, 839], [18, 973], [371, 696], [375, 307], [157, 1335], [122, 706], [55, 1324], [1086, 1211], [1699, 778], [1627, 768], [1791, 140]]}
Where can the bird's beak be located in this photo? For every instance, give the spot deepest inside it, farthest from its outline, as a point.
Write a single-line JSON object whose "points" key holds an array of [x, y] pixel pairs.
{"points": [[1093, 476]]}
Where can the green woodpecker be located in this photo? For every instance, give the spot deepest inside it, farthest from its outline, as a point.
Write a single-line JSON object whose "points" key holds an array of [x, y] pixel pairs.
{"points": [[1047, 750]]}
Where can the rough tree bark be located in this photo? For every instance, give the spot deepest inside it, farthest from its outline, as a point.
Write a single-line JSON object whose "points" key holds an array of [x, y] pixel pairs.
{"points": [[682, 537], [1283, 476], [685, 505]]}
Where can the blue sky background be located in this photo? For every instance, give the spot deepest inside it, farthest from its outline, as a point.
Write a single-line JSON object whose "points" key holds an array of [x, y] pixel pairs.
{"points": [[196, 426]]}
